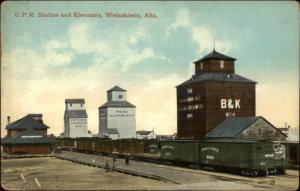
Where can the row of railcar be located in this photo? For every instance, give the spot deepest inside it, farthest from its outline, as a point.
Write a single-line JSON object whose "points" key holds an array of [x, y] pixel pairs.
{"points": [[250, 158], [105, 146]]}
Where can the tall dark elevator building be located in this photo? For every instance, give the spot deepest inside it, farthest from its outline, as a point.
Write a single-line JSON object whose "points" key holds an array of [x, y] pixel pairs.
{"points": [[211, 95]]}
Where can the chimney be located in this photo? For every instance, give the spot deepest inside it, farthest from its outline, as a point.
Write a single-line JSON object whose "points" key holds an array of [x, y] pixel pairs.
{"points": [[8, 120]]}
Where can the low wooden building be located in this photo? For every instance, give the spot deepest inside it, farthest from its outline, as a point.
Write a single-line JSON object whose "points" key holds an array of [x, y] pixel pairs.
{"points": [[255, 128], [28, 142], [27, 135]]}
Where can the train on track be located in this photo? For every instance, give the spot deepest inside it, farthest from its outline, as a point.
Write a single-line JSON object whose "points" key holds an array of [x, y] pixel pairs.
{"points": [[245, 157]]}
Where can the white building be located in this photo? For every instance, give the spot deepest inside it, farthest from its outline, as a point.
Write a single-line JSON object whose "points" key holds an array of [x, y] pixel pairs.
{"points": [[145, 134], [117, 114], [75, 118]]}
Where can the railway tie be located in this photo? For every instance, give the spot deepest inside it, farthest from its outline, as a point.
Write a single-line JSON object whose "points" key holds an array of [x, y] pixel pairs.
{"points": [[117, 169]]}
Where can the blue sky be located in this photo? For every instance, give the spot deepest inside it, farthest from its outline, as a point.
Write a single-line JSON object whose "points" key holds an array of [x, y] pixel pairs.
{"points": [[46, 60]]}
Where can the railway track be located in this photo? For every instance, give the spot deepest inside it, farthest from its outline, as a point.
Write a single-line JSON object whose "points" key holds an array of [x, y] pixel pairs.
{"points": [[91, 162]]}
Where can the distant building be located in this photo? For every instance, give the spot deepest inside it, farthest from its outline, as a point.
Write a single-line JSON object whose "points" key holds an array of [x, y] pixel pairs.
{"points": [[117, 113], [145, 135], [284, 130], [112, 133], [165, 137], [75, 118], [27, 135], [257, 128]]}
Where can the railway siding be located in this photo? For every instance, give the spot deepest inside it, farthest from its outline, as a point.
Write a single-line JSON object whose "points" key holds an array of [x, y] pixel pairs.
{"points": [[172, 174]]}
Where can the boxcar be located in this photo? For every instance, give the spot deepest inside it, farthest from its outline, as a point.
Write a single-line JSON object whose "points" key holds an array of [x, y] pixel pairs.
{"points": [[238, 156], [246, 157], [137, 147], [86, 144], [65, 142], [293, 147], [180, 151], [104, 146], [151, 146]]}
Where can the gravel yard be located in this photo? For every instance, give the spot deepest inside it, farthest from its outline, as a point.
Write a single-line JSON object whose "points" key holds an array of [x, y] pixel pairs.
{"points": [[56, 174]]}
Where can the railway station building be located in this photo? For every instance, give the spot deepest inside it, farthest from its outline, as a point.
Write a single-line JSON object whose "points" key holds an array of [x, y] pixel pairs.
{"points": [[27, 135], [75, 119], [117, 113], [214, 93]]}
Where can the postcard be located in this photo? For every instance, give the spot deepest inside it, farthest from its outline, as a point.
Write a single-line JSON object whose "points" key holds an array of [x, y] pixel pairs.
{"points": [[151, 95]]}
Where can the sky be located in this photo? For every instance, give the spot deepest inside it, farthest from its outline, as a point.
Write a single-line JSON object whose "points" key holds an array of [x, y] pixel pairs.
{"points": [[46, 60]]}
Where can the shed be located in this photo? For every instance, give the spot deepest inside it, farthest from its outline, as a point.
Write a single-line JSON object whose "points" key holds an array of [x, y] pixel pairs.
{"points": [[112, 133], [257, 128]]}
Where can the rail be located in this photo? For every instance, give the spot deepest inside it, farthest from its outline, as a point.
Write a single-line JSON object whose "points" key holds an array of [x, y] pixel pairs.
{"points": [[117, 169]]}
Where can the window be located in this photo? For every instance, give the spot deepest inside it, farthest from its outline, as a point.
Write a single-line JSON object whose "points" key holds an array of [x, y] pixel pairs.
{"points": [[197, 98], [70, 104], [80, 104], [190, 90], [259, 131], [222, 64], [201, 66], [190, 107], [189, 115], [120, 96], [184, 108], [189, 99]]}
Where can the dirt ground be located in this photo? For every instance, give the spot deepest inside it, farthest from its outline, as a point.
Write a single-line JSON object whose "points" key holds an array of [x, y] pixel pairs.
{"points": [[56, 174], [63, 175]]}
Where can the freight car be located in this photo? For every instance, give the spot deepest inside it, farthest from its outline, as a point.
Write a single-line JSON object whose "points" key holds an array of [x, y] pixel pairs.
{"points": [[151, 146], [250, 158], [293, 147], [105, 146]]}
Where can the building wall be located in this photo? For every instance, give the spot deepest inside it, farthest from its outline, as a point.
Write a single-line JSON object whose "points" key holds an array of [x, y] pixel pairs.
{"points": [[121, 118], [116, 96], [114, 136], [66, 126], [102, 121], [28, 149], [14, 133], [215, 66], [194, 126], [210, 97], [261, 130], [78, 127], [228, 99], [75, 106]]}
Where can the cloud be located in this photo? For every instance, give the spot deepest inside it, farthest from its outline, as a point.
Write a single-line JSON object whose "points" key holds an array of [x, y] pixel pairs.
{"points": [[182, 20], [156, 104], [134, 57], [139, 34], [205, 41], [202, 36]]}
